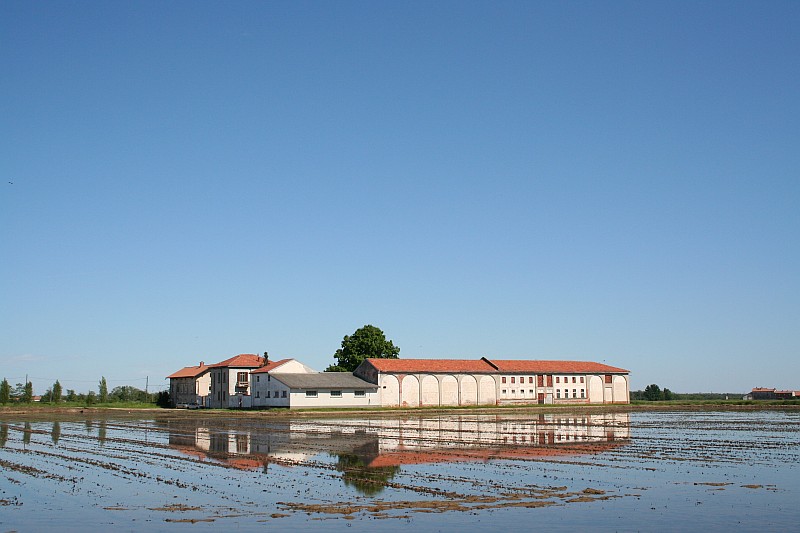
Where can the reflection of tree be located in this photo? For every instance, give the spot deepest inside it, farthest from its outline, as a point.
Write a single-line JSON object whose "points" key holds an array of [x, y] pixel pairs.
{"points": [[26, 433], [366, 480], [3, 435], [55, 434], [101, 432]]}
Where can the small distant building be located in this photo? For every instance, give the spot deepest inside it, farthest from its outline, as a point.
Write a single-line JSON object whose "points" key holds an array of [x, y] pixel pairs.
{"points": [[190, 385], [762, 393]]}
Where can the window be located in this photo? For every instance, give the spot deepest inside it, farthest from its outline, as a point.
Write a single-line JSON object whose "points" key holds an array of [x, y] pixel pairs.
{"points": [[504, 392], [583, 393], [609, 379], [311, 394], [541, 380], [336, 394], [283, 394], [581, 379], [574, 393], [558, 379], [258, 394], [530, 379], [573, 379], [360, 394], [258, 379], [241, 377], [558, 392], [267, 395], [531, 391], [504, 379]]}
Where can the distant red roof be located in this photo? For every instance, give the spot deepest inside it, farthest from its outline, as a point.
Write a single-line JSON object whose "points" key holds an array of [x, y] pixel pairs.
{"points": [[244, 360], [762, 389], [189, 372], [269, 367], [486, 366]]}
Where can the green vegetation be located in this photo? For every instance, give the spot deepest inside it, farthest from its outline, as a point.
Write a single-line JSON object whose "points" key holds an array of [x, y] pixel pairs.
{"points": [[124, 396], [654, 393], [103, 390], [5, 392], [365, 342]]}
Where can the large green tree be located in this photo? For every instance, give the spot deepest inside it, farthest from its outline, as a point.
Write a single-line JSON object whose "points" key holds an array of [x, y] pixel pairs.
{"points": [[365, 342]]}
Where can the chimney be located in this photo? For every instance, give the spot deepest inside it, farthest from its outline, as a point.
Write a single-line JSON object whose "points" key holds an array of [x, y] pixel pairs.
{"points": [[201, 364]]}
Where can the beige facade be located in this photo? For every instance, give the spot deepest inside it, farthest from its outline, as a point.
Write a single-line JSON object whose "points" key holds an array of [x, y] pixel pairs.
{"points": [[442, 382]]}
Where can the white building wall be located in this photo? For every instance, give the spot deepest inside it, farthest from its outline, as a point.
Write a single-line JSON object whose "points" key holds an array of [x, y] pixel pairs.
{"points": [[348, 398]]}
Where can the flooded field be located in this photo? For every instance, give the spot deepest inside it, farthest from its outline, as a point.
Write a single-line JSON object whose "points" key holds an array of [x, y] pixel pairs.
{"points": [[615, 471]]}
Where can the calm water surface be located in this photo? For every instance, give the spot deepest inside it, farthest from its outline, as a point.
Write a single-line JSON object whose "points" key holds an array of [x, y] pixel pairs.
{"points": [[673, 470]]}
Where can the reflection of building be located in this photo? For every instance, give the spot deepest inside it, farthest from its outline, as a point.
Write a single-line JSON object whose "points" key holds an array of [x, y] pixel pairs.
{"points": [[434, 382], [396, 441], [190, 385]]}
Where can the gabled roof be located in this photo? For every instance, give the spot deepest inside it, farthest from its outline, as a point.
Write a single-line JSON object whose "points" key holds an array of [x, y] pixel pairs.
{"points": [[190, 372], [244, 360], [323, 380], [272, 365], [486, 366]]}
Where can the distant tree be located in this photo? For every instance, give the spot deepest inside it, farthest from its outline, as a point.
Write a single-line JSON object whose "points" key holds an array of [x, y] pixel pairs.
{"points": [[653, 393], [127, 393], [162, 399], [5, 392], [47, 396], [27, 393], [668, 394], [71, 396], [91, 398], [56, 396], [103, 390], [365, 342], [17, 391]]}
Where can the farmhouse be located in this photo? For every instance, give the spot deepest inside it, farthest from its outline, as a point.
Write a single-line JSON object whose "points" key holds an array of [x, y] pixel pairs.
{"points": [[762, 393], [230, 380], [451, 382], [190, 385]]}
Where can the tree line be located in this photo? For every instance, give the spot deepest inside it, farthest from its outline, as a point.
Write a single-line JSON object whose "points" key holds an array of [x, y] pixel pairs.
{"points": [[23, 393], [654, 393]]}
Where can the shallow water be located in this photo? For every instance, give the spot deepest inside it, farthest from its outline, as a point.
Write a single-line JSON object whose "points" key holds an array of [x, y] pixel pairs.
{"points": [[689, 470]]}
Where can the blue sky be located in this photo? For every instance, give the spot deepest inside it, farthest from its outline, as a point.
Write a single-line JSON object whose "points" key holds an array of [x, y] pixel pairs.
{"points": [[606, 181]]}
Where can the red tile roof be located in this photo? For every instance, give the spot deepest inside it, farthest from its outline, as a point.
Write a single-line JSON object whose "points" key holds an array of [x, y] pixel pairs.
{"points": [[269, 367], [244, 360], [486, 366], [189, 372], [556, 367], [432, 365]]}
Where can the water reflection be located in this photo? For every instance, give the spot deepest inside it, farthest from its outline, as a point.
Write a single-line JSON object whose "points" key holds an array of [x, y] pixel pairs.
{"points": [[370, 452], [55, 433], [3, 435]]}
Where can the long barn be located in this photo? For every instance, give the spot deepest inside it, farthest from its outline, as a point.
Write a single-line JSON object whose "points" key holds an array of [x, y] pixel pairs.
{"points": [[443, 382]]}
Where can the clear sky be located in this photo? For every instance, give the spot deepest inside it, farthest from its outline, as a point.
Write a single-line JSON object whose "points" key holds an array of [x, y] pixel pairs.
{"points": [[607, 181]]}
